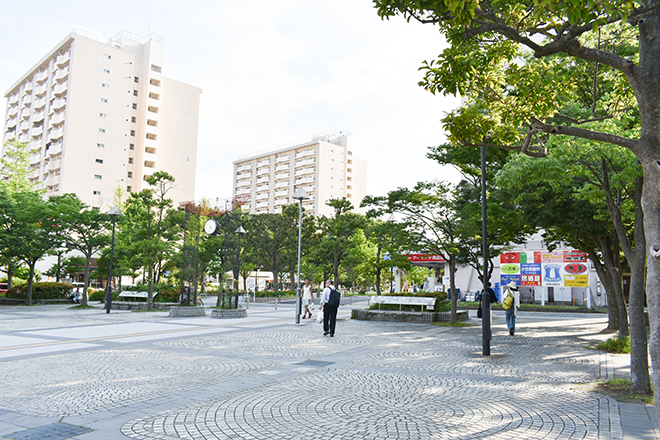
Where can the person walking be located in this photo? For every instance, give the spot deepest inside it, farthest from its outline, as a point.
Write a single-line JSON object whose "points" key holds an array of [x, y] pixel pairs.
{"points": [[511, 303], [307, 299], [329, 304]]}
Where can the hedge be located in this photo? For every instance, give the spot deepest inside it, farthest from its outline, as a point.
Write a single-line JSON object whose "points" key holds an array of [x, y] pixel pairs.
{"points": [[41, 291]]}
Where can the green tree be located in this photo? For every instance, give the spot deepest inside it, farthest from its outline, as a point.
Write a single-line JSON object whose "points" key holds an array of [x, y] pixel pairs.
{"points": [[516, 104], [27, 228], [14, 167], [83, 229]]}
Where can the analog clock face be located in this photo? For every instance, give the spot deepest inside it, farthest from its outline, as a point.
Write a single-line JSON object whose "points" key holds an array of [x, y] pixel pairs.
{"points": [[211, 227]]}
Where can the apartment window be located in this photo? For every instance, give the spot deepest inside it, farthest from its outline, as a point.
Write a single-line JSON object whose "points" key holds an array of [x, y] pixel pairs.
{"points": [[98, 176], [134, 106], [132, 132], [101, 130], [131, 146], [134, 92], [130, 189], [156, 68], [97, 192], [133, 119], [103, 115], [136, 79], [105, 85], [106, 71], [104, 101], [106, 56], [130, 160], [130, 174], [99, 145], [99, 160]]}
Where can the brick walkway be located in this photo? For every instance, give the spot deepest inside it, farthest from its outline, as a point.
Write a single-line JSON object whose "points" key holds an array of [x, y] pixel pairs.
{"points": [[149, 377]]}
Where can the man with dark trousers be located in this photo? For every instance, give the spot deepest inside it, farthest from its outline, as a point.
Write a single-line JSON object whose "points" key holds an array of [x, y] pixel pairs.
{"points": [[329, 306]]}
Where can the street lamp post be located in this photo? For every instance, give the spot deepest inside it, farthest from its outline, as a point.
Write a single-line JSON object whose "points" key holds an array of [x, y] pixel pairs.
{"points": [[299, 195], [391, 220], [485, 296], [114, 212]]}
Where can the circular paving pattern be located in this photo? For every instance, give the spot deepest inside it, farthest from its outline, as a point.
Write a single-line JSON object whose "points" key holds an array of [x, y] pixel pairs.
{"points": [[350, 404], [79, 383]]}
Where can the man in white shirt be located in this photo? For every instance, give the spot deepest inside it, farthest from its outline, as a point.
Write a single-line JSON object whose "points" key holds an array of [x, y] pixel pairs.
{"points": [[329, 311]]}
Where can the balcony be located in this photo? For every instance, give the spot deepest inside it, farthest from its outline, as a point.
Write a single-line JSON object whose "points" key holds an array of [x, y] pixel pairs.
{"points": [[305, 153], [281, 159], [263, 162], [13, 99], [59, 104], [41, 76], [263, 179], [282, 184], [41, 90], [52, 180], [282, 176], [54, 165], [150, 158], [27, 89], [263, 170], [56, 133], [303, 171], [27, 100], [57, 118], [62, 74], [241, 191], [25, 113], [59, 89], [244, 167], [282, 168], [55, 149], [304, 180], [39, 116], [262, 205], [62, 59], [309, 161]]}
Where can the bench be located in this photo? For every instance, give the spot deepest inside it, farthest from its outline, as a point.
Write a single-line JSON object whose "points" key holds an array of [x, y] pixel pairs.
{"points": [[421, 301], [135, 295]]}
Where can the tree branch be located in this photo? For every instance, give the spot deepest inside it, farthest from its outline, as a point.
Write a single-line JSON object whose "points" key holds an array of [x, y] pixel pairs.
{"points": [[568, 130]]}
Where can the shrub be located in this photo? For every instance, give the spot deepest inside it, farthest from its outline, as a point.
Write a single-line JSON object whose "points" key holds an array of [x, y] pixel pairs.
{"points": [[168, 294], [616, 345], [41, 291], [95, 295]]}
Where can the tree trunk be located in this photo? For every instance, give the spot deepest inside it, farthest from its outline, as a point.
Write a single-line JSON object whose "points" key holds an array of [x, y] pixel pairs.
{"points": [[610, 250], [88, 260], [378, 270], [28, 293], [651, 207], [608, 285]]}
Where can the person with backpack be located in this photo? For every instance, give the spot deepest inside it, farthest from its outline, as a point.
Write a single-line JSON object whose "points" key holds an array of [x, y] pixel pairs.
{"points": [[511, 303], [330, 300]]}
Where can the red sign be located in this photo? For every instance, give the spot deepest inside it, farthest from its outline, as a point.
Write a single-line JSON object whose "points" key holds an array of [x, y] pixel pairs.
{"points": [[575, 256], [538, 257], [425, 258], [510, 257], [575, 268]]}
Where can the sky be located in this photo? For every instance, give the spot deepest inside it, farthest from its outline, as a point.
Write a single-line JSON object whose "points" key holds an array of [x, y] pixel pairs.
{"points": [[272, 73]]}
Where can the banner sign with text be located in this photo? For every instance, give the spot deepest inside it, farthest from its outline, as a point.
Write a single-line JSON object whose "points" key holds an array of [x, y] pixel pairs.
{"points": [[558, 268]]}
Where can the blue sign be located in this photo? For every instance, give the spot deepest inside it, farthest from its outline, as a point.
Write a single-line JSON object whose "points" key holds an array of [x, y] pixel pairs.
{"points": [[552, 273], [506, 279], [530, 268]]}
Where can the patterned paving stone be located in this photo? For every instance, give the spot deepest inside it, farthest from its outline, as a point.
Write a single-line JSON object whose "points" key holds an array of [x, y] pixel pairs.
{"points": [[371, 405], [80, 383]]}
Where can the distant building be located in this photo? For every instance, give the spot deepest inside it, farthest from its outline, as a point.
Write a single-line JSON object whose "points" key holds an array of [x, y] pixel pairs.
{"points": [[324, 166], [98, 114]]}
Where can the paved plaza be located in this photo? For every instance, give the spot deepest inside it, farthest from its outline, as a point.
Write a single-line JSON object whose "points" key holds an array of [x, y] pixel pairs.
{"points": [[85, 374]]}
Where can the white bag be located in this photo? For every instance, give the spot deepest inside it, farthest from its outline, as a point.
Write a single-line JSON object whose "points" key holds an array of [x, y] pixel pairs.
{"points": [[319, 316]]}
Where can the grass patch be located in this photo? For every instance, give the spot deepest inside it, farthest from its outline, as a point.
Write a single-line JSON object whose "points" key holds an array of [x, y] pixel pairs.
{"points": [[619, 390], [456, 324], [616, 345]]}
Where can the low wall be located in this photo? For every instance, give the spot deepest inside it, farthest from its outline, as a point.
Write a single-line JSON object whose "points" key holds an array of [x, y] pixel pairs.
{"points": [[182, 312], [228, 313], [396, 316]]}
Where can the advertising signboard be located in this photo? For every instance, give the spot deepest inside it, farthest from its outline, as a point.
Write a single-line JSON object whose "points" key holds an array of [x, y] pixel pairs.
{"points": [[559, 268]]}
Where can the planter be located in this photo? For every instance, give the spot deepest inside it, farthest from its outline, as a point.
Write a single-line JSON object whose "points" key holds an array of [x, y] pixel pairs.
{"points": [[396, 316], [228, 313], [183, 312]]}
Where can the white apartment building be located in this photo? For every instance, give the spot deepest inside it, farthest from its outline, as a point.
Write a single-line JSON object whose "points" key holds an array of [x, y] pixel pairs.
{"points": [[98, 113], [324, 166]]}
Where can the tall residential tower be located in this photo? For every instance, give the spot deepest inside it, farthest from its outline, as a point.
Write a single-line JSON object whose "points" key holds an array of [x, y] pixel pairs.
{"points": [[98, 114], [324, 166]]}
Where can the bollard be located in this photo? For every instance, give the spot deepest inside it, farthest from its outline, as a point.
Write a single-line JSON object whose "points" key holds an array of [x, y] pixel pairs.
{"points": [[247, 302], [276, 303]]}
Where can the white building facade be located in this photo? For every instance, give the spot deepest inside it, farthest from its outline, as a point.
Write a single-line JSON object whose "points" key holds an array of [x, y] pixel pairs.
{"points": [[98, 114], [324, 166]]}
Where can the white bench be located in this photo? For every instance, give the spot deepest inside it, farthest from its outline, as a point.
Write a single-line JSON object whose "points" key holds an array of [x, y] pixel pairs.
{"points": [[421, 301], [135, 295]]}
